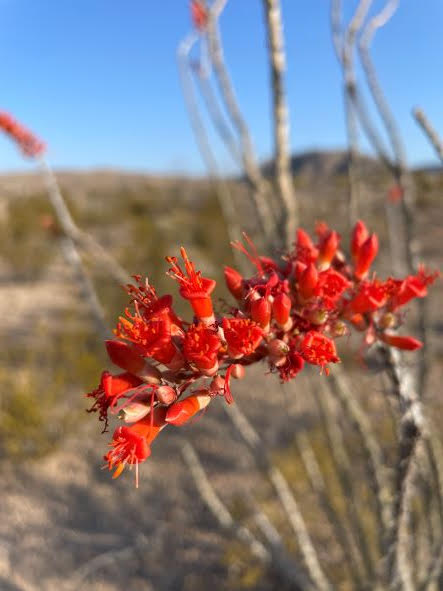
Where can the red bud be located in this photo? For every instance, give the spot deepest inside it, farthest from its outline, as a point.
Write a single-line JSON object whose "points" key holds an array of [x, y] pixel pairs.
{"points": [[365, 256], [400, 342], [308, 281], [234, 282]]}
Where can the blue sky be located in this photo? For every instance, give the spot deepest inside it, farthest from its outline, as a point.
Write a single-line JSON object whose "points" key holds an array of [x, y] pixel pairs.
{"points": [[97, 79]]}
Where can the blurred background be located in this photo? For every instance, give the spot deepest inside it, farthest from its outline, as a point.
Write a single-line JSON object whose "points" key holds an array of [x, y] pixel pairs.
{"points": [[98, 81]]}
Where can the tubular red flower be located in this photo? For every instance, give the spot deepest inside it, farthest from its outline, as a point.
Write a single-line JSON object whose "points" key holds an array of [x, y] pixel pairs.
{"points": [[193, 287], [182, 411], [28, 143], [201, 346], [331, 285], [414, 286], [234, 282], [318, 349], [242, 335], [366, 255], [126, 357], [401, 342], [131, 444], [153, 337], [110, 388], [371, 295]]}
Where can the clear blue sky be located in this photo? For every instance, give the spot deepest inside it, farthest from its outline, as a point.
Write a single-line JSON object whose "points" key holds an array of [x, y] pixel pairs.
{"points": [[97, 79]]}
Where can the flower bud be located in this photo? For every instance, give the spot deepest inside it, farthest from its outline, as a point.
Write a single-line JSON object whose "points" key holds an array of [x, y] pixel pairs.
{"points": [[166, 394], [365, 256], [182, 411], [308, 282], [124, 356], [234, 282], [400, 342], [328, 248], [261, 312], [359, 235], [281, 308], [133, 412], [238, 371]]}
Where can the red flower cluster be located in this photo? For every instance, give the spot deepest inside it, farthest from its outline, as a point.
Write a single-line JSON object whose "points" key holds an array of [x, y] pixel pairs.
{"points": [[29, 144], [290, 312]]}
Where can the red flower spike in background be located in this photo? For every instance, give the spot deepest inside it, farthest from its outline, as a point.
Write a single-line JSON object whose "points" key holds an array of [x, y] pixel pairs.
{"points": [[28, 143], [193, 287], [242, 335], [395, 194], [288, 312], [201, 347], [199, 15]]}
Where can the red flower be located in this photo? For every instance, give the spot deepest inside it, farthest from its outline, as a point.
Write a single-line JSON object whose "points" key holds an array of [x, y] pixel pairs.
{"points": [[201, 347], [371, 295], [153, 337], [293, 365], [318, 349], [126, 357], [331, 285], [400, 342], [131, 445], [110, 388], [148, 304], [193, 287], [414, 286], [242, 336]]}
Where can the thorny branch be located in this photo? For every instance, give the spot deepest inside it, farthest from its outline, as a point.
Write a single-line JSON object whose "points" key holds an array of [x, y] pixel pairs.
{"points": [[269, 556], [429, 131], [252, 170], [289, 205], [284, 493]]}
